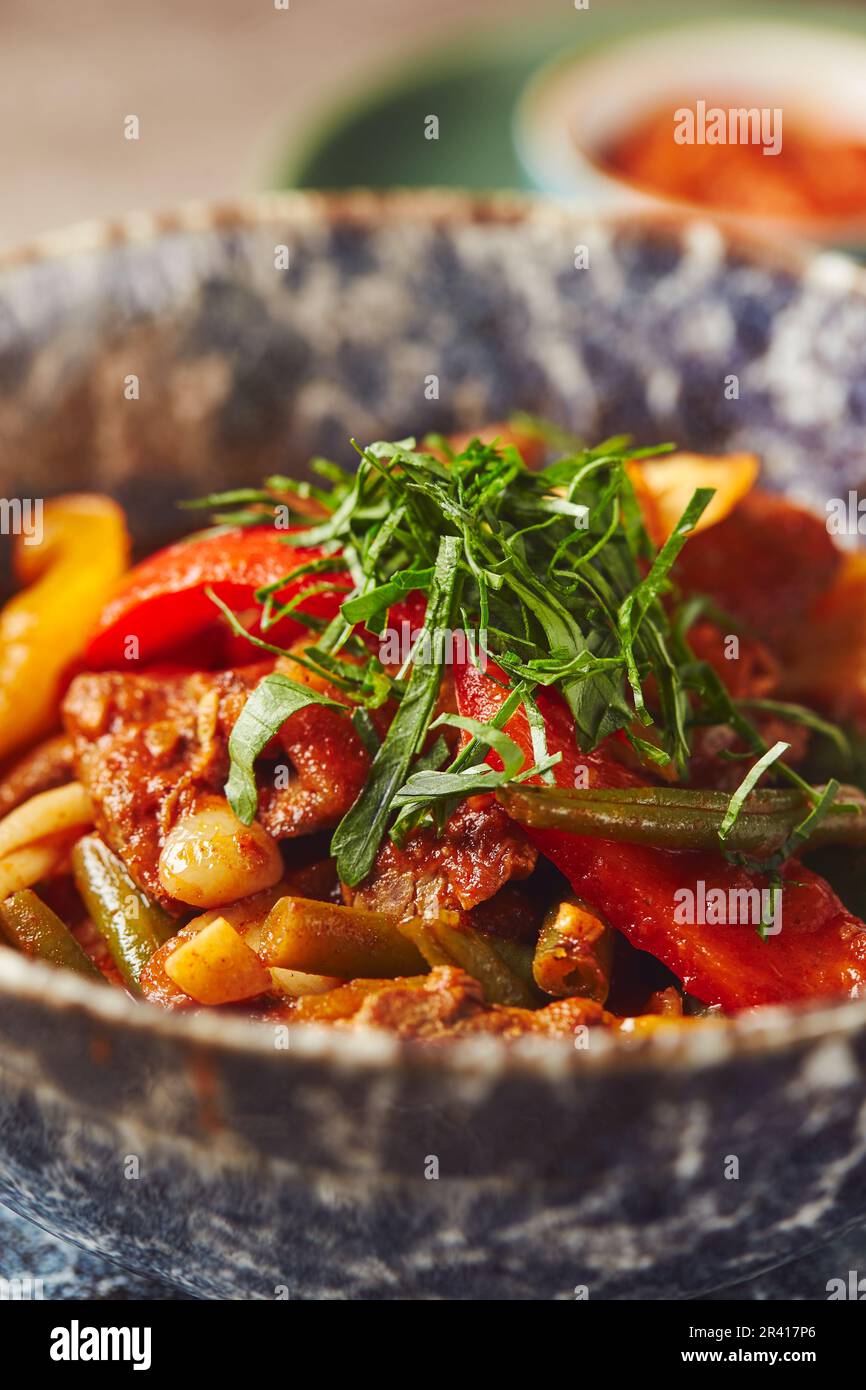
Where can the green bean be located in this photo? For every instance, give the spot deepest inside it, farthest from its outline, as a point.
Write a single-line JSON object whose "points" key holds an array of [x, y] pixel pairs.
{"points": [[517, 955], [679, 818], [574, 955], [129, 923], [441, 942], [29, 924], [322, 938]]}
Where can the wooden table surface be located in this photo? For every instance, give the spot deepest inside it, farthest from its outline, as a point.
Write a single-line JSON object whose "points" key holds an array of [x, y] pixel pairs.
{"points": [[220, 87]]}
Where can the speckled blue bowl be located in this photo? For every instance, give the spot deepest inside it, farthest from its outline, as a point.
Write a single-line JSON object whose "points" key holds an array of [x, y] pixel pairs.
{"points": [[199, 1149]]}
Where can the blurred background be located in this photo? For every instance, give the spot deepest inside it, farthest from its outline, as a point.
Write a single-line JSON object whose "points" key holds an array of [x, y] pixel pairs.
{"points": [[223, 90], [237, 95]]}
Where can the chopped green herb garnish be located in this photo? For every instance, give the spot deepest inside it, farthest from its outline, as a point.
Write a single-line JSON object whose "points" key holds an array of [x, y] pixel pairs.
{"points": [[357, 838], [552, 574], [266, 710], [751, 779]]}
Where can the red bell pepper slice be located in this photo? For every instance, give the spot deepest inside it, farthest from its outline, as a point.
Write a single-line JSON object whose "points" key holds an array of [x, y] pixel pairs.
{"points": [[820, 950], [164, 605]]}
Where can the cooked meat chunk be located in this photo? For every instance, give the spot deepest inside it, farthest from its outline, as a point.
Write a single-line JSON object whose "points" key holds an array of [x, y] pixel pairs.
{"points": [[443, 1005], [47, 765], [480, 851], [148, 747], [517, 911], [445, 998], [145, 748], [329, 764]]}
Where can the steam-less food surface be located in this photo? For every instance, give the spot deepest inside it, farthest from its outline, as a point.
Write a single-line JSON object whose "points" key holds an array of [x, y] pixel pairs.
{"points": [[252, 1138]]}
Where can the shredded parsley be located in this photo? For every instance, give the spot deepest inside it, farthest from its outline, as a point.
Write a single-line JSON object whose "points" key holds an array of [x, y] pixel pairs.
{"points": [[553, 568]]}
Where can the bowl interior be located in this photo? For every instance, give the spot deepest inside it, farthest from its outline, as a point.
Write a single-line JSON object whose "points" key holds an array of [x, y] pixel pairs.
{"points": [[167, 357], [164, 358]]}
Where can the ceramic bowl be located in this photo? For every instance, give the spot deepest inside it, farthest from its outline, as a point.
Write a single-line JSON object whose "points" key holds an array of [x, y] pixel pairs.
{"points": [[576, 106], [350, 1165]]}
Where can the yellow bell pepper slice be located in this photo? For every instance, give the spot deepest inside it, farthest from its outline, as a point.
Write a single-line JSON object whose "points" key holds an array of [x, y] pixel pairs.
{"points": [[664, 487], [68, 576]]}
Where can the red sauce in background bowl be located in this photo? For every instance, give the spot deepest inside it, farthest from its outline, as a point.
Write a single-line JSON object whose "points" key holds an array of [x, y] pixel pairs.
{"points": [[816, 172]]}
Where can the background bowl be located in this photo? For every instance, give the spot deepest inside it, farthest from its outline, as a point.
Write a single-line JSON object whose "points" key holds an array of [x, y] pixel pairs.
{"points": [[580, 104], [201, 1149]]}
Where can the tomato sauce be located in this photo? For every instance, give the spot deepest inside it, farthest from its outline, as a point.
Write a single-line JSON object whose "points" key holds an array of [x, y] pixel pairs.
{"points": [[816, 173]]}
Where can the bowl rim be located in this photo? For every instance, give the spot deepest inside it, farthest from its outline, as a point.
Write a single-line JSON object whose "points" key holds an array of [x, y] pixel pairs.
{"points": [[768, 1030], [437, 206]]}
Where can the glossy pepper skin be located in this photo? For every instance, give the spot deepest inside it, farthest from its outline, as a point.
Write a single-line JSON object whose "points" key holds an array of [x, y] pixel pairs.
{"points": [[132, 927], [68, 573], [819, 952], [30, 925], [163, 603]]}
